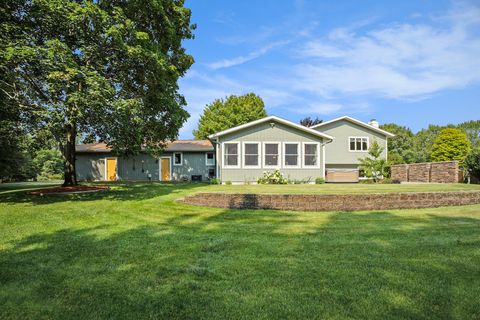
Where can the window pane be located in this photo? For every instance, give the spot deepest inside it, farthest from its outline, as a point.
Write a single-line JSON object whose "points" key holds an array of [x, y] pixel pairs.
{"points": [[359, 144], [310, 149], [291, 148], [210, 155], [271, 148], [352, 144], [251, 148], [251, 160], [231, 160], [178, 158], [291, 160], [310, 160], [231, 148], [271, 160], [364, 144]]}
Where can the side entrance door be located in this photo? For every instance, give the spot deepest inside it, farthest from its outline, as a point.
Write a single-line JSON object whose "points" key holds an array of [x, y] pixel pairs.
{"points": [[111, 169], [165, 173]]}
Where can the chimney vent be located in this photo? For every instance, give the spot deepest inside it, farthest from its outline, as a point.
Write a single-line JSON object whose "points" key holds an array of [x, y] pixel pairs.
{"points": [[373, 123]]}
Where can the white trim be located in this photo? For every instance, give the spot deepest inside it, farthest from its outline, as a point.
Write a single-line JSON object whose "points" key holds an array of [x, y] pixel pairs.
{"points": [[116, 166], [299, 155], [160, 167], [206, 159], [360, 123], [272, 118], [323, 160], [181, 159], [317, 166], [218, 161], [238, 155], [279, 164], [259, 155], [358, 137]]}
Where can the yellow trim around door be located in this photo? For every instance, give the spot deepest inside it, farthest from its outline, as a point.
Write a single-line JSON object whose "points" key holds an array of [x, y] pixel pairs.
{"points": [[165, 167], [111, 169]]}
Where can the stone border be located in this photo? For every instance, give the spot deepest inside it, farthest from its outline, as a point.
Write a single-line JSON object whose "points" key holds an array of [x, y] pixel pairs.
{"points": [[333, 202]]}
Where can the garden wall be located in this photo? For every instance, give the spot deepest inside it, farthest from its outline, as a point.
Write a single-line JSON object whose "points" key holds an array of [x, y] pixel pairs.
{"points": [[341, 202], [439, 172]]}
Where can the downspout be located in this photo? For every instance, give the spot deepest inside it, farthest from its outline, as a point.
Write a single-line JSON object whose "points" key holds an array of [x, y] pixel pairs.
{"points": [[323, 156]]}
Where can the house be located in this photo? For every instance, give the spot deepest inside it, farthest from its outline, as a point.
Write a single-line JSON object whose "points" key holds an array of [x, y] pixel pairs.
{"points": [[241, 154]]}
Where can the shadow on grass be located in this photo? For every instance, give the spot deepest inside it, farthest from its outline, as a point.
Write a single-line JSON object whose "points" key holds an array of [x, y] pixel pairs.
{"points": [[248, 264], [118, 191]]}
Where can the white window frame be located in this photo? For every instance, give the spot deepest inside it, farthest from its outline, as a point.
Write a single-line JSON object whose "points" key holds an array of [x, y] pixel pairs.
{"points": [[358, 137], [224, 165], [206, 158], [279, 144], [299, 155], [259, 162], [318, 155], [181, 159]]}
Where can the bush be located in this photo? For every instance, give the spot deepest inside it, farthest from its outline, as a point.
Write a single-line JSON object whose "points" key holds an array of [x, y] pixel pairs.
{"points": [[214, 181], [275, 177], [319, 180], [228, 182]]}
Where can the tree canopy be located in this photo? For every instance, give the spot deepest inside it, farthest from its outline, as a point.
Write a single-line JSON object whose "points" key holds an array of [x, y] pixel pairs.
{"points": [[103, 68], [310, 122], [450, 144], [226, 113]]}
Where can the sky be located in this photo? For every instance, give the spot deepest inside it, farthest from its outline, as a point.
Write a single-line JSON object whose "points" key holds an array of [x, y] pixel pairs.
{"points": [[413, 63]]}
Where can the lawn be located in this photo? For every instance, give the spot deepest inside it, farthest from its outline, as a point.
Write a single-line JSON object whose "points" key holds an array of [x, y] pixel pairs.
{"points": [[133, 253]]}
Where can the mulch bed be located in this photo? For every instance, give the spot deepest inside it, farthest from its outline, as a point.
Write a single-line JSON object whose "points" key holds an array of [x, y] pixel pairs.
{"points": [[70, 189]]}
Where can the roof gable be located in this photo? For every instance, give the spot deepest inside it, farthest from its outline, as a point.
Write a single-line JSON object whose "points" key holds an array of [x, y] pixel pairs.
{"points": [[271, 118], [358, 122]]}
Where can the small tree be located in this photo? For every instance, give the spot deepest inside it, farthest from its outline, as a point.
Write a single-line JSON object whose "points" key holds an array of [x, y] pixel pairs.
{"points": [[226, 113], [472, 163], [450, 144], [373, 165], [310, 122]]}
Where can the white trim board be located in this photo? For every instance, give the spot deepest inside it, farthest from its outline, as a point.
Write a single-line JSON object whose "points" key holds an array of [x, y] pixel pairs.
{"points": [[360, 123], [272, 118]]}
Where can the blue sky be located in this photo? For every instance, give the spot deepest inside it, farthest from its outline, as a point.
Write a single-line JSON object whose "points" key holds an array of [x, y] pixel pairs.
{"points": [[408, 62]]}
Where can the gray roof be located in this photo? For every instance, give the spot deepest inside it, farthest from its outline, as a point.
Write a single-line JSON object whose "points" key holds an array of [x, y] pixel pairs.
{"points": [[175, 146]]}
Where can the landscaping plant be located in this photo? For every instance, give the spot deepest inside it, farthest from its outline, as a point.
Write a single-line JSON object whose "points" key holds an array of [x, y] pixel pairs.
{"points": [[275, 177], [374, 166]]}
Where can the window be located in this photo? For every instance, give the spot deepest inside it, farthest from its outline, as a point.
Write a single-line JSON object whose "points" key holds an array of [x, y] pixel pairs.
{"points": [[271, 154], [358, 143], [311, 155], [209, 159], [177, 159], [291, 155], [231, 154], [211, 173], [251, 152]]}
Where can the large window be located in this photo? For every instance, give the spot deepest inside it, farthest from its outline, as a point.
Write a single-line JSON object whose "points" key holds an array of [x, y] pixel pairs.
{"points": [[271, 152], [209, 159], [311, 154], [291, 150], [231, 154], [177, 159], [251, 155], [358, 144]]}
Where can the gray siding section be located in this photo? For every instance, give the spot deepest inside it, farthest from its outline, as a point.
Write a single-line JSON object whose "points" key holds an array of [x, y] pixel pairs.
{"points": [[90, 167], [266, 133], [337, 152]]}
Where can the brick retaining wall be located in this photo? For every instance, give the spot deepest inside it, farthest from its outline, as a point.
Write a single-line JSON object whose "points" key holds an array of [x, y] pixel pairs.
{"points": [[439, 172], [341, 202]]}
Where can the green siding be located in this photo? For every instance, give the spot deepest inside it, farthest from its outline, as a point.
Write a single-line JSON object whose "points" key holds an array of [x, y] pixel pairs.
{"points": [[90, 167], [337, 152], [194, 163], [265, 133]]}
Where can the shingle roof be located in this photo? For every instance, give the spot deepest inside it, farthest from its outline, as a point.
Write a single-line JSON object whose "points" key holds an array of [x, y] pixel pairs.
{"points": [[178, 145]]}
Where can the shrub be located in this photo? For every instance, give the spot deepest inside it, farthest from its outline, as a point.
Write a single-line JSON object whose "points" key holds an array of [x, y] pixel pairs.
{"points": [[275, 177], [319, 180], [228, 182], [450, 144], [214, 181]]}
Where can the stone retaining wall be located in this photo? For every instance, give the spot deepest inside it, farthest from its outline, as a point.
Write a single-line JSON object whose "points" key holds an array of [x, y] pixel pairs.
{"points": [[341, 202], [439, 172]]}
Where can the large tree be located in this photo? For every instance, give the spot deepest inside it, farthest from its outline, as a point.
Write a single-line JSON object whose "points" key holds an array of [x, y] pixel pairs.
{"points": [[310, 122], [450, 144], [106, 68], [226, 113], [400, 147]]}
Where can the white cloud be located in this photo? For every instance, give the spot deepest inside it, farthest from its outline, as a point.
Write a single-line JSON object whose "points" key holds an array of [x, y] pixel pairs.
{"points": [[401, 61], [226, 63]]}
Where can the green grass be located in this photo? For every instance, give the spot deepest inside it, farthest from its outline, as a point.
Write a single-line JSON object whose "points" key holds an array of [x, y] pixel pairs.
{"points": [[133, 253]]}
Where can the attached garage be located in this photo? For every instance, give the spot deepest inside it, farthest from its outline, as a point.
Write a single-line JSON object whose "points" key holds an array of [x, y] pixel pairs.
{"points": [[342, 175]]}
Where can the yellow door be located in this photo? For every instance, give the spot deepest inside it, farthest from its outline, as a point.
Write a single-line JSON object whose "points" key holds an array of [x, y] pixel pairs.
{"points": [[111, 169], [165, 169]]}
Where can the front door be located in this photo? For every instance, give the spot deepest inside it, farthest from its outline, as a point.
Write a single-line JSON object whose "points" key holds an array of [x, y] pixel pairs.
{"points": [[165, 169], [111, 169]]}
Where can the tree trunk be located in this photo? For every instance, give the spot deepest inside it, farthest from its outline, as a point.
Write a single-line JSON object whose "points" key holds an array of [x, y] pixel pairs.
{"points": [[69, 157]]}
